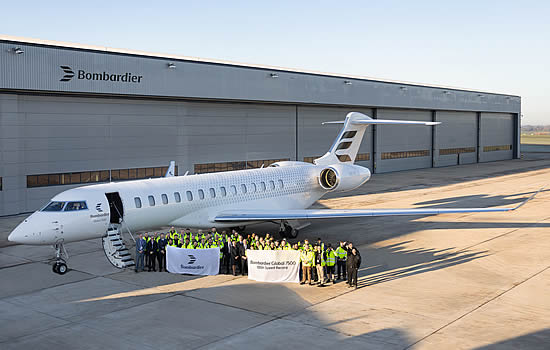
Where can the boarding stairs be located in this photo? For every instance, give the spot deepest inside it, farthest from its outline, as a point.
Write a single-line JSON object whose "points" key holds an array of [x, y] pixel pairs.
{"points": [[115, 249]]}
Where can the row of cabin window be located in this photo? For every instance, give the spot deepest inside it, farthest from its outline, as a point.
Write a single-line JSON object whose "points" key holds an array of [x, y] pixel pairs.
{"points": [[252, 188]]}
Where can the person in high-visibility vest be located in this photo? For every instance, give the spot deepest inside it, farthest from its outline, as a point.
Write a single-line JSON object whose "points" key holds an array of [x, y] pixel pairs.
{"points": [[320, 265], [341, 257], [330, 261], [306, 266], [311, 261]]}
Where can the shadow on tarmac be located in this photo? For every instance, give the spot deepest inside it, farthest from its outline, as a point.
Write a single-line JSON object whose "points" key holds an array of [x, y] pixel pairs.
{"points": [[487, 200], [395, 261], [532, 341]]}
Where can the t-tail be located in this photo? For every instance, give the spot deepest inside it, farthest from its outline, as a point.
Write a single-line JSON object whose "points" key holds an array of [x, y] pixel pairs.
{"points": [[345, 147]]}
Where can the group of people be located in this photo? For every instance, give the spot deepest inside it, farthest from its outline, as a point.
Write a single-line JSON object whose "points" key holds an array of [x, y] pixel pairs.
{"points": [[320, 264]]}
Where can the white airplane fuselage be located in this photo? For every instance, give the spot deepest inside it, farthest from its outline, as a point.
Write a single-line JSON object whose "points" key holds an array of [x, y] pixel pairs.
{"points": [[188, 201]]}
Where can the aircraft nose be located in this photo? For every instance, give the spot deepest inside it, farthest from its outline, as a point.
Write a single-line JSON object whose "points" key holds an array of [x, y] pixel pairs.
{"points": [[27, 232], [18, 235]]}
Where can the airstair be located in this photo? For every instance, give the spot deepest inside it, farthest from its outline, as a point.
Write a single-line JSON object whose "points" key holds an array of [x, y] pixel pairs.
{"points": [[115, 248]]}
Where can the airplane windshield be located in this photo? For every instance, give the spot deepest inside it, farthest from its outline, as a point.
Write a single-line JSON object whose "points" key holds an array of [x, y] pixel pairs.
{"points": [[54, 206], [74, 206]]}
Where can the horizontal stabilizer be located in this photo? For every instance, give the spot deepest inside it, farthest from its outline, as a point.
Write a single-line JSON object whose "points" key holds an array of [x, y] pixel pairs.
{"points": [[383, 121]]}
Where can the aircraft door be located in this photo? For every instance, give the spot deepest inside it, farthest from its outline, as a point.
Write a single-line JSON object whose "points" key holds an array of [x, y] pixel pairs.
{"points": [[116, 208]]}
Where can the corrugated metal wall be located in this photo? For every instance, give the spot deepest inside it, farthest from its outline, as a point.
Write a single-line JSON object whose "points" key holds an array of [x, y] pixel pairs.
{"points": [[497, 130], [59, 134], [399, 139], [455, 138]]}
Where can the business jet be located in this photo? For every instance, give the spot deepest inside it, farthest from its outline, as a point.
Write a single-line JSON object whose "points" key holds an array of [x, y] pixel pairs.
{"points": [[279, 193]]}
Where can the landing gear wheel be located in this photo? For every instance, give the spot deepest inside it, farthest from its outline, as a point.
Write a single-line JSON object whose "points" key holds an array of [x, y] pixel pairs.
{"points": [[61, 268], [54, 268], [293, 233], [289, 232]]}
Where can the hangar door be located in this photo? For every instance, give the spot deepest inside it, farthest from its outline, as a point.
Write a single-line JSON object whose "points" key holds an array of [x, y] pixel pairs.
{"points": [[315, 139], [231, 136], [455, 138], [497, 136], [401, 147]]}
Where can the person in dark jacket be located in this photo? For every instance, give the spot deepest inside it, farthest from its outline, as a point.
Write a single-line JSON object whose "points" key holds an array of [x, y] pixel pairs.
{"points": [[152, 250], [234, 257], [354, 262], [141, 246], [349, 248], [161, 256], [243, 246]]}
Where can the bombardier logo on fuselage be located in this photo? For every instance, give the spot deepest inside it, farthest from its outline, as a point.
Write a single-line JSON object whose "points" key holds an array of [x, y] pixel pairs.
{"points": [[100, 76]]}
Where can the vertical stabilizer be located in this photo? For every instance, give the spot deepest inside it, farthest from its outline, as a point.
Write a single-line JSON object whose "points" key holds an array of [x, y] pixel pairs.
{"points": [[171, 169], [346, 146]]}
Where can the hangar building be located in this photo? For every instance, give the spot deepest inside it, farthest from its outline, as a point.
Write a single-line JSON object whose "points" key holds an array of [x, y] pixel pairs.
{"points": [[75, 114]]}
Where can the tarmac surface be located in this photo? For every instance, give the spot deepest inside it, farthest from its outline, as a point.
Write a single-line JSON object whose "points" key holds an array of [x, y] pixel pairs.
{"points": [[460, 281]]}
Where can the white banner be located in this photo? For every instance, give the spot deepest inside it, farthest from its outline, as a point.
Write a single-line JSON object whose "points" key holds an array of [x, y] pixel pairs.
{"points": [[193, 261], [273, 265]]}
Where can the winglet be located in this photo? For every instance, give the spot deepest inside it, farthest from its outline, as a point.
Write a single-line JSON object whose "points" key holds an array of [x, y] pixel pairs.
{"points": [[528, 199], [171, 169]]}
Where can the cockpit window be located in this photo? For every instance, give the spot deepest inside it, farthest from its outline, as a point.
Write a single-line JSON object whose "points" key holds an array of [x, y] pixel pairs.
{"points": [[54, 206], [74, 206]]}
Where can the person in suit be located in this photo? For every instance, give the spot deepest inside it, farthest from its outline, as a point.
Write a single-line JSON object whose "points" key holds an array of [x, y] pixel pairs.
{"points": [[234, 257], [141, 246], [161, 256], [227, 255], [243, 246], [152, 250], [146, 239]]}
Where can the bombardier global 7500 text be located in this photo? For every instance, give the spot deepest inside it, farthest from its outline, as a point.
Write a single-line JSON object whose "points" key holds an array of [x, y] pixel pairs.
{"points": [[279, 193]]}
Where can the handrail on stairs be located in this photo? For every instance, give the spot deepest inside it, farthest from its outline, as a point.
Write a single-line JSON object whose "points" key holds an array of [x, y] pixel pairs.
{"points": [[127, 228]]}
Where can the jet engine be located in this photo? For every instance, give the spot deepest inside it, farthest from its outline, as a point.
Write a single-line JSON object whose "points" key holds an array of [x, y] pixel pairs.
{"points": [[343, 177]]}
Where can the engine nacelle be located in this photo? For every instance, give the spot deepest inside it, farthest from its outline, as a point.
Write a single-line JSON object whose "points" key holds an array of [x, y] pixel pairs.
{"points": [[343, 177]]}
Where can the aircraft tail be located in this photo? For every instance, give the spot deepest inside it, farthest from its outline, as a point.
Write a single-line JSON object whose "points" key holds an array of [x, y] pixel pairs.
{"points": [[171, 169], [345, 147]]}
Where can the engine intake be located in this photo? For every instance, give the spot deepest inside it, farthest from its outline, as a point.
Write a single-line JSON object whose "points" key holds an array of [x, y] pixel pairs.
{"points": [[343, 177], [328, 179]]}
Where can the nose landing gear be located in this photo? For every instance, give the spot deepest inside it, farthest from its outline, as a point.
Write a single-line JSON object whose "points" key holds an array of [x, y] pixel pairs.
{"points": [[60, 260]]}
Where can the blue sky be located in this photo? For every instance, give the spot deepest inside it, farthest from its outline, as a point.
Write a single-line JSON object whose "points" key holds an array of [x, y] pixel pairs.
{"points": [[498, 46]]}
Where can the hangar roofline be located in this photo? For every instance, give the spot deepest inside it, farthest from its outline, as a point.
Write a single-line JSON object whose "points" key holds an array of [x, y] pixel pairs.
{"points": [[137, 53]]}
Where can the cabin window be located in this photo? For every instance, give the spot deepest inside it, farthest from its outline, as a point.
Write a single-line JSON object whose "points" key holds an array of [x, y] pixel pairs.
{"points": [[281, 184], [262, 186], [137, 202], [272, 184], [74, 206], [243, 188], [254, 188], [212, 192], [223, 191], [164, 198], [54, 206], [177, 197], [189, 196], [151, 201], [234, 190], [201, 194]]}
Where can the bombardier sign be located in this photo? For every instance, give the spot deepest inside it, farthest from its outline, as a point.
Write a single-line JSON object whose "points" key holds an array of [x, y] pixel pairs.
{"points": [[100, 76]]}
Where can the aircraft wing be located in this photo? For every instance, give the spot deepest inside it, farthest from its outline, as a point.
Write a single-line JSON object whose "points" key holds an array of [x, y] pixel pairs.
{"points": [[307, 214]]}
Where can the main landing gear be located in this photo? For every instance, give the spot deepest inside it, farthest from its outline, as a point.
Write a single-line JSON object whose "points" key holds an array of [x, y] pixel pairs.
{"points": [[60, 260], [287, 231]]}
